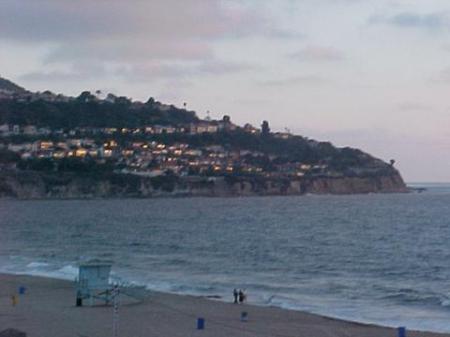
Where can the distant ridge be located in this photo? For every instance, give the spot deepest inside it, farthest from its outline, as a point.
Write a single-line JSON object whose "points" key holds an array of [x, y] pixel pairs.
{"points": [[7, 85], [57, 146]]}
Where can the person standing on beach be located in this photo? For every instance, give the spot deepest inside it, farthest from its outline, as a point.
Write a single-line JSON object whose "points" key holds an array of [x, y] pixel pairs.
{"points": [[241, 296], [235, 295]]}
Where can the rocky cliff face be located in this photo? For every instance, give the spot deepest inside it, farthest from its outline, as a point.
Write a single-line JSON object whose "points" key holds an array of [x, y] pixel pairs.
{"points": [[32, 185], [357, 185]]}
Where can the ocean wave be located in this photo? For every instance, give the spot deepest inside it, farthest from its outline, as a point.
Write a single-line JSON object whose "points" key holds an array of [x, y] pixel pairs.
{"points": [[67, 272], [414, 297], [37, 264]]}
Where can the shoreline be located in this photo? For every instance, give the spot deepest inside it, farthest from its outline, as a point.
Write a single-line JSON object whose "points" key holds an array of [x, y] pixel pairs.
{"points": [[194, 196], [48, 309]]}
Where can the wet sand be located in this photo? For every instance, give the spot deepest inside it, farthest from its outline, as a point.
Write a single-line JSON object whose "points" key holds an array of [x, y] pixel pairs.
{"points": [[47, 309]]}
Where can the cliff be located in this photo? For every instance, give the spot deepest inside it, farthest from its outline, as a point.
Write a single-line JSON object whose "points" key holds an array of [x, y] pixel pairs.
{"points": [[32, 185]]}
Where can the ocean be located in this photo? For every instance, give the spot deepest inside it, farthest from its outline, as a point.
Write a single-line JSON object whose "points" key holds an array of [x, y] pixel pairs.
{"points": [[378, 258]]}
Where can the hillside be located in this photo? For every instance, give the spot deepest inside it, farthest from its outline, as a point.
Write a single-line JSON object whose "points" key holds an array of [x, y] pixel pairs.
{"points": [[7, 85], [148, 149], [57, 111]]}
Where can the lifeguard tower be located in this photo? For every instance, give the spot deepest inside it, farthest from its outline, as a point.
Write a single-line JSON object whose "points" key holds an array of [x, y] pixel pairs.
{"points": [[93, 283]]}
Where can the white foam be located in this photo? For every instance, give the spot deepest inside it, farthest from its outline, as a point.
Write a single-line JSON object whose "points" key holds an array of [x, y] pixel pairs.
{"points": [[37, 264], [43, 269]]}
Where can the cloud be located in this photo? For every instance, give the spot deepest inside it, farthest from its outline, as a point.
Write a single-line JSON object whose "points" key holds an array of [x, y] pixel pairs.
{"points": [[81, 71], [223, 68], [145, 72], [163, 38], [53, 20], [55, 75], [414, 107], [184, 70], [436, 21], [442, 76], [296, 80], [317, 54], [283, 34], [130, 51]]}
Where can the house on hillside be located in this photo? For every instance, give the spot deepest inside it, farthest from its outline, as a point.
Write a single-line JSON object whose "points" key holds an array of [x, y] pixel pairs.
{"points": [[4, 130], [200, 128], [283, 135], [30, 130], [251, 129], [164, 129], [225, 124]]}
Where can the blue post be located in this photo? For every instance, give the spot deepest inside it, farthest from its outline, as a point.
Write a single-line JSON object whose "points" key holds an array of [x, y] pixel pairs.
{"points": [[244, 316], [22, 290], [200, 323], [402, 331]]}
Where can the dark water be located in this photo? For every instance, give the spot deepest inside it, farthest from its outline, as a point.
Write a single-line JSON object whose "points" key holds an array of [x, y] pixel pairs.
{"points": [[372, 258]]}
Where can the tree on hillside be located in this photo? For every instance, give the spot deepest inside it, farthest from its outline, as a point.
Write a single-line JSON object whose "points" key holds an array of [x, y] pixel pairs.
{"points": [[265, 129], [85, 96]]}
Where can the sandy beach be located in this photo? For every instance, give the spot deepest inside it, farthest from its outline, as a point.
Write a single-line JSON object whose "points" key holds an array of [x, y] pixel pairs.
{"points": [[47, 309]]}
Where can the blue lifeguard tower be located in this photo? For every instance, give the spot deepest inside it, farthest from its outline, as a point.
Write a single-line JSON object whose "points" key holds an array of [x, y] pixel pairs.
{"points": [[93, 282]]}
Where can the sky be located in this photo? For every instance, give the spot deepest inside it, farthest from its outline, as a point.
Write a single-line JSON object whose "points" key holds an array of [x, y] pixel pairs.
{"points": [[371, 74]]}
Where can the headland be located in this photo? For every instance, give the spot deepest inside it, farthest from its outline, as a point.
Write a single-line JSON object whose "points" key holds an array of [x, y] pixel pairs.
{"points": [[105, 146]]}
